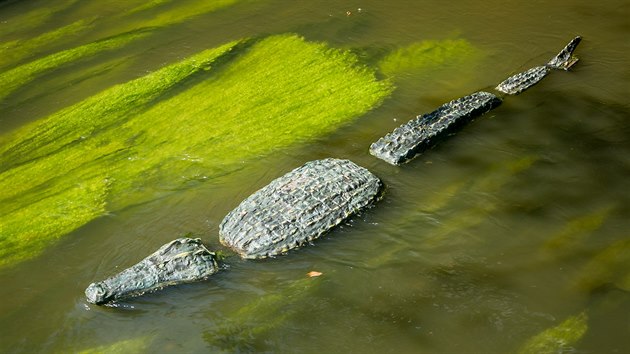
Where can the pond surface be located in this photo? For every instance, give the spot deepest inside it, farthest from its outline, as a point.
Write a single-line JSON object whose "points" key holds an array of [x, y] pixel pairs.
{"points": [[504, 231]]}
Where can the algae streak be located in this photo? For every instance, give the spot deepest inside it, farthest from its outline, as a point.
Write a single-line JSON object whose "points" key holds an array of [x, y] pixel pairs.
{"points": [[32, 19], [13, 79], [428, 54], [611, 265], [559, 339], [576, 231], [25, 60], [488, 185], [185, 123], [256, 319], [134, 345], [26, 231], [17, 50], [181, 12]]}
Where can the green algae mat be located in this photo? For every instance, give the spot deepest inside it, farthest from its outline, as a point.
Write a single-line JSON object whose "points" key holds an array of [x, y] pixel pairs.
{"points": [[185, 123]]}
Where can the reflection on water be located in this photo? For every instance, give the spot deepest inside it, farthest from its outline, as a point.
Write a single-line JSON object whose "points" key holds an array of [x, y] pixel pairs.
{"points": [[494, 237]]}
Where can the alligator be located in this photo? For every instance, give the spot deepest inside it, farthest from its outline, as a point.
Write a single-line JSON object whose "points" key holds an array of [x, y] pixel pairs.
{"points": [[423, 132], [289, 212], [311, 200]]}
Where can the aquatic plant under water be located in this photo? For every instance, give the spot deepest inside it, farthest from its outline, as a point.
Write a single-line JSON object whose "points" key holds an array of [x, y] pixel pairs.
{"points": [[15, 78], [451, 53], [133, 345], [15, 51], [236, 334], [559, 339], [182, 124]]}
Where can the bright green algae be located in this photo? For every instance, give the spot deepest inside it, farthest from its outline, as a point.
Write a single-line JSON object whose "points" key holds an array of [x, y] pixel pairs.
{"points": [[26, 231], [187, 122], [108, 108], [17, 50], [15, 78], [31, 187]]}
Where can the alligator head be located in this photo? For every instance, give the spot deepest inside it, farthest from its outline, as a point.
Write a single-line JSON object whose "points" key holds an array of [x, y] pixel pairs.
{"points": [[183, 260]]}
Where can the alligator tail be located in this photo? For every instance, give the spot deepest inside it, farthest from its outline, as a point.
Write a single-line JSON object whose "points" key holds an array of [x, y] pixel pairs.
{"points": [[565, 59]]}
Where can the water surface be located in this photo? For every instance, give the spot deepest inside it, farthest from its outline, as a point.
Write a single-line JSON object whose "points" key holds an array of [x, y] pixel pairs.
{"points": [[495, 235]]}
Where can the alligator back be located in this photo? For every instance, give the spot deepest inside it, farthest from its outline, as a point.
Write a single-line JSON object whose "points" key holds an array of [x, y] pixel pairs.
{"points": [[424, 131], [298, 207]]}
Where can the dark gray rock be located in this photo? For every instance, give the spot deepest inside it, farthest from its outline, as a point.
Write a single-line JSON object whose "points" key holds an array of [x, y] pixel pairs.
{"points": [[183, 260], [425, 130], [298, 207]]}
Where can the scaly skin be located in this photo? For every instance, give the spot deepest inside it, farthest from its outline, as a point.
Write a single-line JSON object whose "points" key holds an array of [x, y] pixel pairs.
{"points": [[183, 260], [421, 133], [522, 81], [289, 212], [298, 207], [310, 200]]}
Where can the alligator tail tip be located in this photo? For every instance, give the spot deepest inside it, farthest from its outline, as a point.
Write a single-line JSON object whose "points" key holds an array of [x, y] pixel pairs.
{"points": [[565, 59]]}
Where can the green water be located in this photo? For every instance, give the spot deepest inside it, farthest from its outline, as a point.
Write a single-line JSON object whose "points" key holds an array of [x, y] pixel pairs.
{"points": [[509, 237]]}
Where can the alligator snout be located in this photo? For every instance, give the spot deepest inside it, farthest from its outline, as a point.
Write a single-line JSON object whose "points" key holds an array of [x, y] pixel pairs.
{"points": [[96, 294]]}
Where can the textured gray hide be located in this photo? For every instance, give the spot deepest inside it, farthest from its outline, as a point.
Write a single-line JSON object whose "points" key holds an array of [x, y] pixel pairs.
{"points": [[425, 130], [520, 82], [183, 260], [298, 207], [419, 134]]}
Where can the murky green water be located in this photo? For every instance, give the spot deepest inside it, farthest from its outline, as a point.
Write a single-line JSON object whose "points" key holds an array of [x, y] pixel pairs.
{"points": [[509, 228]]}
